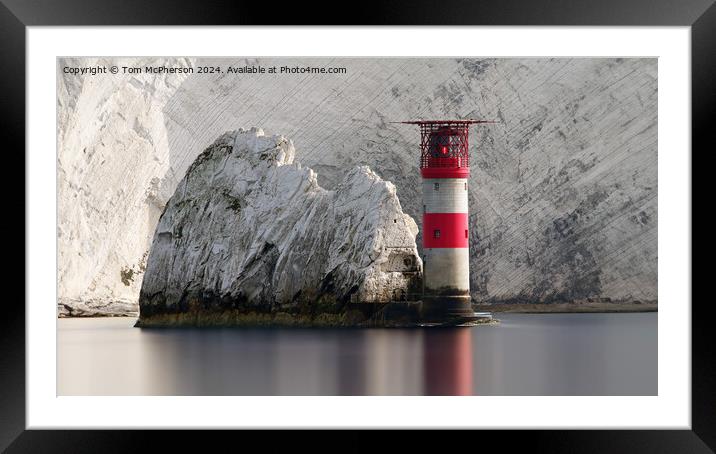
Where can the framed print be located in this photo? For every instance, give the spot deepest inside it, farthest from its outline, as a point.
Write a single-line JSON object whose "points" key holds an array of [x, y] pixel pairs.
{"points": [[471, 217]]}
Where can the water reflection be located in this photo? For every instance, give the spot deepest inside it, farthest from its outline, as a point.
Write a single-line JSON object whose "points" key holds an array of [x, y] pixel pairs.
{"points": [[379, 362], [447, 367], [566, 354]]}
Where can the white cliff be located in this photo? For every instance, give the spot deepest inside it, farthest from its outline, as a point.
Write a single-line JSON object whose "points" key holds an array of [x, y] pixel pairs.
{"points": [[249, 228], [112, 168]]}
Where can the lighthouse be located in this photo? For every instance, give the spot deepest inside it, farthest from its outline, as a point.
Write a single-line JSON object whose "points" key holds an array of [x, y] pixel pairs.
{"points": [[445, 168]]}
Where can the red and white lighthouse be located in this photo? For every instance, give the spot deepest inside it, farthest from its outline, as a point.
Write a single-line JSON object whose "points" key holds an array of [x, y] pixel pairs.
{"points": [[445, 168]]}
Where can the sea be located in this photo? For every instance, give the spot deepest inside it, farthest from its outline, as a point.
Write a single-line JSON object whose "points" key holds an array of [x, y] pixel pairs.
{"points": [[523, 354]]}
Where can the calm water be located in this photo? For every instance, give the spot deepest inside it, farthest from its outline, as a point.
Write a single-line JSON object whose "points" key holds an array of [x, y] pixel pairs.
{"points": [[527, 354]]}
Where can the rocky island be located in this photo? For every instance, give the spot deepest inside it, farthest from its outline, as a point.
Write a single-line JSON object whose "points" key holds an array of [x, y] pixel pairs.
{"points": [[249, 237]]}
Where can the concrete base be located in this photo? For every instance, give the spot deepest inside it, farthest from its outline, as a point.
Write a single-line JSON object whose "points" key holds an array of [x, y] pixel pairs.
{"points": [[450, 311], [420, 313], [475, 318], [442, 306]]}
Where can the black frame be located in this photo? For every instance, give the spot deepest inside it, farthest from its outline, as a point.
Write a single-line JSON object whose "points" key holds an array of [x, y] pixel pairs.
{"points": [[15, 15]]}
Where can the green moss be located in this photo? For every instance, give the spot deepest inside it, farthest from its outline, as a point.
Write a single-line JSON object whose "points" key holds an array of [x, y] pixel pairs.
{"points": [[237, 318], [127, 276]]}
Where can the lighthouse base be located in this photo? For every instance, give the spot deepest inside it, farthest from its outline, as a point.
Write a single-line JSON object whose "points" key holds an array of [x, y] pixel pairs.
{"points": [[449, 310]]}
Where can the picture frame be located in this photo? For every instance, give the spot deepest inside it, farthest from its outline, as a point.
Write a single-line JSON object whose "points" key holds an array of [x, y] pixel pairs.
{"points": [[16, 15]]}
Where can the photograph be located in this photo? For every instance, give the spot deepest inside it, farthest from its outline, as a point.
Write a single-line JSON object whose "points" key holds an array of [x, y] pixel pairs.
{"points": [[357, 226], [422, 222]]}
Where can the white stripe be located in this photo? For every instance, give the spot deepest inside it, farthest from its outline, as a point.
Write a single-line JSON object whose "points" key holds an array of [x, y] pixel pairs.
{"points": [[446, 267], [445, 195]]}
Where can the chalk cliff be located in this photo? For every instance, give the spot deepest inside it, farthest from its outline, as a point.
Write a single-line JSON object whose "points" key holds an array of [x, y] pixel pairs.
{"points": [[250, 230], [114, 178]]}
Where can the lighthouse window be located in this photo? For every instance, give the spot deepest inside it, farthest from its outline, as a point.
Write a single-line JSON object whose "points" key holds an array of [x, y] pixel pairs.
{"points": [[465, 233], [436, 186], [436, 233], [466, 186]]}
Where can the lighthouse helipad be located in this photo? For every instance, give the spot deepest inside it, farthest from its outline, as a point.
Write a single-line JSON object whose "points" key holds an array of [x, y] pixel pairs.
{"points": [[445, 168]]}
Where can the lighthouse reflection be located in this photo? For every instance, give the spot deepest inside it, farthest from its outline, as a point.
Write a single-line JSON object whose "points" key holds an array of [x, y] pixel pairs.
{"points": [[447, 362], [434, 361]]}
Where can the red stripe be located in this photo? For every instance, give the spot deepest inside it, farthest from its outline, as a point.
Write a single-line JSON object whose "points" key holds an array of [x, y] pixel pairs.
{"points": [[445, 172], [452, 227]]}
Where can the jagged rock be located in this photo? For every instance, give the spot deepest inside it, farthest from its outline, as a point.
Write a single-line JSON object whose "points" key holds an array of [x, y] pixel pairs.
{"points": [[249, 229]]}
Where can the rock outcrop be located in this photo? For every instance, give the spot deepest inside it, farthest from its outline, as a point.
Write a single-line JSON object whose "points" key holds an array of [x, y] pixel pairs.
{"points": [[250, 231]]}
